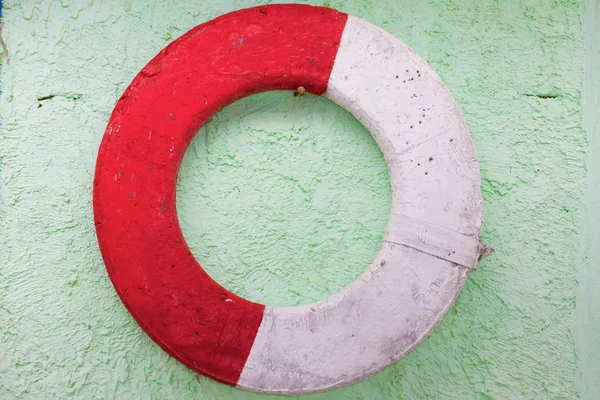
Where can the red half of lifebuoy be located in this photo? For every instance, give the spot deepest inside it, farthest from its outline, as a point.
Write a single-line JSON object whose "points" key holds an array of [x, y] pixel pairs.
{"points": [[431, 245]]}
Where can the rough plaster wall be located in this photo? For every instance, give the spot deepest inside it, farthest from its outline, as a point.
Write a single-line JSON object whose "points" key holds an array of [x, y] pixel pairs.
{"points": [[299, 190], [284, 199]]}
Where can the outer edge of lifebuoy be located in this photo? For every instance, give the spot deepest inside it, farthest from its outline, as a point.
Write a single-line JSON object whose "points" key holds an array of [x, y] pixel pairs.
{"points": [[432, 241], [412, 282]]}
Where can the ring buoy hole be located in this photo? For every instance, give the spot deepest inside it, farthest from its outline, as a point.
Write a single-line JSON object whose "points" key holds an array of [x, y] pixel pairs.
{"points": [[284, 200]]}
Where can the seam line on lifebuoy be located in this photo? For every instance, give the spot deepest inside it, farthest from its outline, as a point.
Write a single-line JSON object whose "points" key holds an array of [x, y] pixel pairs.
{"points": [[434, 240]]}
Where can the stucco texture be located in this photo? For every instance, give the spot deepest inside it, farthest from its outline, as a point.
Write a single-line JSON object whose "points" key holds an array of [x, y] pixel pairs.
{"points": [[284, 200]]}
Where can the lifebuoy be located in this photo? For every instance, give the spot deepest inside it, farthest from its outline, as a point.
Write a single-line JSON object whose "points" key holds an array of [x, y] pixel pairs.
{"points": [[432, 241]]}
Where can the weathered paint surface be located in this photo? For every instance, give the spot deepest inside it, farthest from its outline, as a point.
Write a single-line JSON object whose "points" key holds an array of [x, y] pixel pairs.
{"points": [[588, 295], [431, 242], [515, 69], [3, 57]]}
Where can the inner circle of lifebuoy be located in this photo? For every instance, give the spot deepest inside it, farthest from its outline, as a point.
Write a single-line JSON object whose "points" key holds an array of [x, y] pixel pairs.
{"points": [[431, 244]]}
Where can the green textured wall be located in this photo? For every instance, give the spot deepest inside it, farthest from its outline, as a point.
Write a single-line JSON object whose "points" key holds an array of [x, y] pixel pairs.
{"points": [[284, 200]]}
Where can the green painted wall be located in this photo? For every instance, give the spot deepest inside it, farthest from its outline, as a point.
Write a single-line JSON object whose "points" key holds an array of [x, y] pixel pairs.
{"points": [[276, 193], [588, 295]]}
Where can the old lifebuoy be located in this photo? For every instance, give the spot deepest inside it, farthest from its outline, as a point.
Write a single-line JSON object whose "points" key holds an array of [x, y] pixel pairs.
{"points": [[432, 241]]}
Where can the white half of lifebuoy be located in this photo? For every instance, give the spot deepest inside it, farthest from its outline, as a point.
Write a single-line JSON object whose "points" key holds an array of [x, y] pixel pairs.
{"points": [[432, 240], [430, 246]]}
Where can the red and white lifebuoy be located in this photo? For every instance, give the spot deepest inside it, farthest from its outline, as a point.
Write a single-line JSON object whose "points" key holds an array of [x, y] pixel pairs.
{"points": [[432, 241]]}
